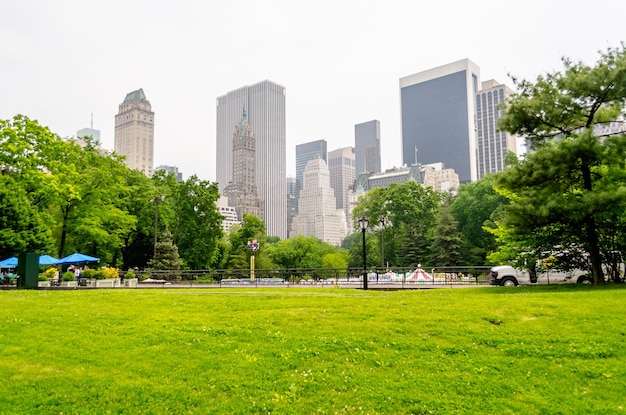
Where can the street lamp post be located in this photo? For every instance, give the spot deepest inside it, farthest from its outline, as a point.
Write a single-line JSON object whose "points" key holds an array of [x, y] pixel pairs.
{"points": [[254, 245], [363, 224], [156, 199], [383, 220]]}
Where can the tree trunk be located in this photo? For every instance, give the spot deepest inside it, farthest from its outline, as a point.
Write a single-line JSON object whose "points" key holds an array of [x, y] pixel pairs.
{"points": [[592, 232], [594, 251], [63, 232]]}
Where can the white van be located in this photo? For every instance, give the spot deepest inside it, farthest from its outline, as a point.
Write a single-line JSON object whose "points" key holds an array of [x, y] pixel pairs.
{"points": [[509, 276]]}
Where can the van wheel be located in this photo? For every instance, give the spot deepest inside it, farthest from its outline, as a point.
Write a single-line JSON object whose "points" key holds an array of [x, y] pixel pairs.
{"points": [[584, 279], [508, 282]]}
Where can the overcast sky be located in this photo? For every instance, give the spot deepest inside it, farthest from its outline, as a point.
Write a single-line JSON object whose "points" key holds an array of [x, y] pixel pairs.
{"points": [[340, 61]]}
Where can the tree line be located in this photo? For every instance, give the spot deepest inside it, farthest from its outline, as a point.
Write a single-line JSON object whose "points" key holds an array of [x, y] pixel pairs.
{"points": [[564, 200]]}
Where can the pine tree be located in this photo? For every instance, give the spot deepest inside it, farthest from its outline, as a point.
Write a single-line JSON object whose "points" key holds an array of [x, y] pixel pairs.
{"points": [[447, 241], [166, 254]]}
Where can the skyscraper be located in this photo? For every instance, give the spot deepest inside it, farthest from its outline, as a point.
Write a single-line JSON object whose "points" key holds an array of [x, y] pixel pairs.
{"points": [[89, 132], [306, 152], [341, 166], [134, 132], [173, 170], [438, 117], [492, 144], [242, 191], [367, 147], [292, 203], [265, 106], [317, 209]]}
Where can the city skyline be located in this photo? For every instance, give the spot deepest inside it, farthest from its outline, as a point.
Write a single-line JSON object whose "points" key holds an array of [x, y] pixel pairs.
{"points": [[64, 60]]}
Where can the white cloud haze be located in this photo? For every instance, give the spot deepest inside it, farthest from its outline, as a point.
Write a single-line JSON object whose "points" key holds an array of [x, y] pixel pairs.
{"points": [[340, 61]]}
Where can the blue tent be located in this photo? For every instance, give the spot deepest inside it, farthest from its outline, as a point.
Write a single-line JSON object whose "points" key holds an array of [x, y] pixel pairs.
{"points": [[47, 260], [76, 258], [9, 262]]}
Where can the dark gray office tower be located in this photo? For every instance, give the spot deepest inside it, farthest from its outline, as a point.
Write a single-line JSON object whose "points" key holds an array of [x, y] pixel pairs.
{"points": [[306, 152], [367, 147], [438, 117], [265, 106]]}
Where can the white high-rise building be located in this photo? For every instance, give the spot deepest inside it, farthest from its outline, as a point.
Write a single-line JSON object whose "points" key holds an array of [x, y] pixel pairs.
{"points": [[341, 165], [317, 208], [228, 212], [134, 132], [265, 106], [493, 144]]}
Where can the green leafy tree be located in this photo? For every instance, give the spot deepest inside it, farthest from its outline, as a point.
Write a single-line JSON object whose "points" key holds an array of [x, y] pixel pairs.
{"points": [[303, 252], [87, 204], [138, 241], [23, 227], [252, 228], [26, 187], [476, 207], [79, 188], [569, 187], [411, 211], [337, 259], [190, 210], [356, 251]]}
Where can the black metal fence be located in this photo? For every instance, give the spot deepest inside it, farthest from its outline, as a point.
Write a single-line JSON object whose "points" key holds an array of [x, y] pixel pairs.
{"points": [[397, 277]]}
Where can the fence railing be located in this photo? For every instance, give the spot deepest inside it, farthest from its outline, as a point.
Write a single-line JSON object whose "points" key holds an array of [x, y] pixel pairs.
{"points": [[391, 277]]}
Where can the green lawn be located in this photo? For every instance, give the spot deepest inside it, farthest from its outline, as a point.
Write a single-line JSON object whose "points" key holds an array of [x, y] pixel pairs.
{"points": [[495, 350]]}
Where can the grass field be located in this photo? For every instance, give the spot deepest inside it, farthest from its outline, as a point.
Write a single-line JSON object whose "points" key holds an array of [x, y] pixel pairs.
{"points": [[496, 350]]}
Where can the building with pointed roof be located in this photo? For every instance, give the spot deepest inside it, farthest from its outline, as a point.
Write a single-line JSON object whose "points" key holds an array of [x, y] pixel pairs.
{"points": [[317, 208], [242, 191], [134, 132]]}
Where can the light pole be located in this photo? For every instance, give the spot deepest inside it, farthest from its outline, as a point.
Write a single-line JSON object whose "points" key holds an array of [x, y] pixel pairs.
{"points": [[383, 220], [156, 199], [254, 245], [363, 224]]}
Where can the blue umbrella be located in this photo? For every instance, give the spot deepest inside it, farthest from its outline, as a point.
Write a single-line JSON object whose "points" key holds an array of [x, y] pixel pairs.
{"points": [[76, 258], [9, 262], [47, 260]]}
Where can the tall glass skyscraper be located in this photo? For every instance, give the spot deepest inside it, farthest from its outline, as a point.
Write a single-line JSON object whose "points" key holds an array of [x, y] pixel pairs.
{"points": [[438, 117], [367, 147], [342, 175], [264, 103], [306, 152]]}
